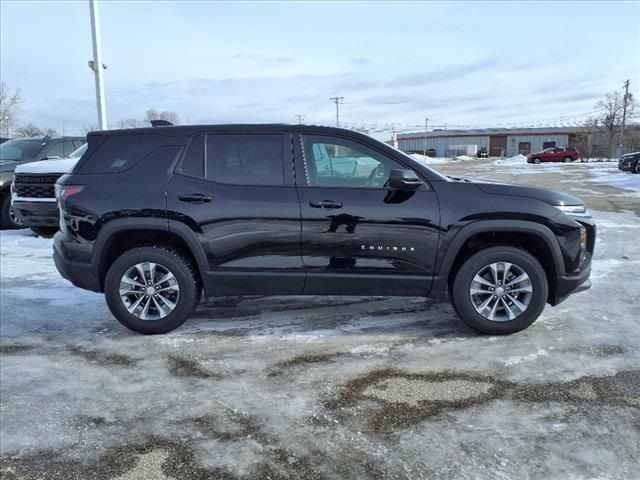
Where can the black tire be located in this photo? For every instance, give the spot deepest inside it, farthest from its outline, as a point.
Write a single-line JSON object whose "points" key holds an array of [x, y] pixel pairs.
{"points": [[637, 167], [7, 219], [46, 232], [177, 264], [568, 159], [461, 285], [536, 161]]}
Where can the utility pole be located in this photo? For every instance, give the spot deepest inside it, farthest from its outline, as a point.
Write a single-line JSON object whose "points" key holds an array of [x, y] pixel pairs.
{"points": [[337, 101], [300, 119], [426, 124], [96, 65], [624, 113]]}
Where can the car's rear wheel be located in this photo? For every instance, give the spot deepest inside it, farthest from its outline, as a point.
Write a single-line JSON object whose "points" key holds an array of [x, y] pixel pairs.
{"points": [[536, 160], [8, 218], [568, 160], [152, 289], [500, 290]]}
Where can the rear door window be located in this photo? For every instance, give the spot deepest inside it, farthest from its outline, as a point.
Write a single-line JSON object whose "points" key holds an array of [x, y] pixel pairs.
{"points": [[245, 159]]}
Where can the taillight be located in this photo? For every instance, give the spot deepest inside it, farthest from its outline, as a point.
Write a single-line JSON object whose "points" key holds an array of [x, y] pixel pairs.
{"points": [[65, 191]]}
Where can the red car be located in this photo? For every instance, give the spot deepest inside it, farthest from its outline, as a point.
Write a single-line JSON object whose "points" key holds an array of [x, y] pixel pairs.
{"points": [[555, 154]]}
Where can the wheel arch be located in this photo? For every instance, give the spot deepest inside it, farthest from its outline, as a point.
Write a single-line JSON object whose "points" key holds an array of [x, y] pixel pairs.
{"points": [[121, 235], [537, 239]]}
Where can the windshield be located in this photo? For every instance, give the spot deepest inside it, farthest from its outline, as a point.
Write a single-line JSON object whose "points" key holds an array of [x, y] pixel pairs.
{"points": [[79, 152], [19, 150]]}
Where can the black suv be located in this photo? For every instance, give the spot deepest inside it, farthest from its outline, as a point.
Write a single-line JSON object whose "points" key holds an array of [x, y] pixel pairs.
{"points": [[630, 162], [153, 216]]}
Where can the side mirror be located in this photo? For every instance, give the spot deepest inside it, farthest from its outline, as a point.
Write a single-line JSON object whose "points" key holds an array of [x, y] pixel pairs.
{"points": [[402, 179]]}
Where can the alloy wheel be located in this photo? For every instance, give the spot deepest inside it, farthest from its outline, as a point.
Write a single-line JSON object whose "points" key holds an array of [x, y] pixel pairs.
{"points": [[14, 218], [501, 291], [149, 291]]}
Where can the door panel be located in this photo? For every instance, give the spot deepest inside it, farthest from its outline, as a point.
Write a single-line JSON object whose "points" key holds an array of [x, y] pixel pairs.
{"points": [[378, 242], [363, 240], [250, 233]]}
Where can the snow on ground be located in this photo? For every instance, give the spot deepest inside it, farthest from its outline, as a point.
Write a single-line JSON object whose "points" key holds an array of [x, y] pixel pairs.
{"points": [[23, 254], [429, 160], [322, 387], [615, 178], [516, 160]]}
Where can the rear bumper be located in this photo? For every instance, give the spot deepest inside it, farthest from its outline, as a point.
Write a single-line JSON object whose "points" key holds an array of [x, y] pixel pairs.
{"points": [[37, 214], [83, 275]]}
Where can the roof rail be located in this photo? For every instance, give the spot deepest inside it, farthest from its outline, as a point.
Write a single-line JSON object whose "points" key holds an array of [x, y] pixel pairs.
{"points": [[161, 123]]}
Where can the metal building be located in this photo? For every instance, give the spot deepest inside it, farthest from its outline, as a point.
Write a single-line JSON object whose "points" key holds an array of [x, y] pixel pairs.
{"points": [[498, 142]]}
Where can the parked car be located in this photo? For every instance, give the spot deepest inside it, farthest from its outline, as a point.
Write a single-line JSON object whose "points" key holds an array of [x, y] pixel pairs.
{"points": [[154, 216], [24, 150], [554, 154], [483, 153], [630, 162], [33, 192]]}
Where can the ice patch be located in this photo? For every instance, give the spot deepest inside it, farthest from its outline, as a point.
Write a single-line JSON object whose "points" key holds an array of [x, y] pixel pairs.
{"points": [[515, 360]]}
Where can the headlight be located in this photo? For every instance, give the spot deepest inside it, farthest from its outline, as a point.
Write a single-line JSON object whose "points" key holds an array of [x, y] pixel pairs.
{"points": [[574, 210]]}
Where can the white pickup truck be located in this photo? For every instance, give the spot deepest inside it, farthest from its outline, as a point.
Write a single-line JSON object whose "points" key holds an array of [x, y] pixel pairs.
{"points": [[33, 192]]}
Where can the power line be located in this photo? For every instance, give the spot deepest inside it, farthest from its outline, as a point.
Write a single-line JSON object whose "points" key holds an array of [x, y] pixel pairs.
{"points": [[300, 118]]}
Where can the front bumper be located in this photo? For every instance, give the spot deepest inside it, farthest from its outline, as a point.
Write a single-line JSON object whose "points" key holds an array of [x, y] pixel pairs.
{"points": [[37, 214], [568, 285]]}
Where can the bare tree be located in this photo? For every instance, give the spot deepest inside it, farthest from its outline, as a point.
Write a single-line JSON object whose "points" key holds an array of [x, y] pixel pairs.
{"points": [[153, 114], [610, 120], [9, 107], [582, 143], [29, 130], [86, 128], [50, 132]]}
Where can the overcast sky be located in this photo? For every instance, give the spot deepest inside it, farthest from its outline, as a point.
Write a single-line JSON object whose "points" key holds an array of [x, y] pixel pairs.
{"points": [[473, 63]]}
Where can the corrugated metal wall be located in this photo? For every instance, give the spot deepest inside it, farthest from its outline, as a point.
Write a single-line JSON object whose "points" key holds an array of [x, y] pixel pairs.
{"points": [[442, 144], [536, 142]]}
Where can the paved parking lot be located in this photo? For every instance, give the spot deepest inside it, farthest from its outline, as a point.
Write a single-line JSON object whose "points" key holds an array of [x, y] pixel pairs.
{"points": [[330, 387]]}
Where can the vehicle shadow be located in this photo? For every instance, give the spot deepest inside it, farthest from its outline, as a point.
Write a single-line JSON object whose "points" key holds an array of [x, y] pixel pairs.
{"points": [[322, 315]]}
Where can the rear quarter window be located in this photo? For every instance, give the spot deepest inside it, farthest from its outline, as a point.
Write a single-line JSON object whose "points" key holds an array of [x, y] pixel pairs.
{"points": [[121, 152]]}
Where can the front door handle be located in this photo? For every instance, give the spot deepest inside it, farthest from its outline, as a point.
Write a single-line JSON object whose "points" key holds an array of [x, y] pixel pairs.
{"points": [[195, 198], [325, 204]]}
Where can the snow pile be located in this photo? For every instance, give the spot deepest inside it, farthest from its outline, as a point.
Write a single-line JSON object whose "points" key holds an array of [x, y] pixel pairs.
{"points": [[615, 178], [429, 160], [464, 158], [517, 160]]}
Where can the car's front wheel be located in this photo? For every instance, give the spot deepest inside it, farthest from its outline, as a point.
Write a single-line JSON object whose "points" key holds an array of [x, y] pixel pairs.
{"points": [[152, 289], [637, 167], [8, 218], [568, 159], [500, 290]]}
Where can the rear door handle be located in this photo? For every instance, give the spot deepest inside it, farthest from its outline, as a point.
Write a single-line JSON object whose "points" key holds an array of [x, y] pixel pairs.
{"points": [[195, 198], [325, 204]]}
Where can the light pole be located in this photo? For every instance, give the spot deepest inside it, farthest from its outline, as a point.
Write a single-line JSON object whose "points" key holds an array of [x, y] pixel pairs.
{"points": [[96, 64]]}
